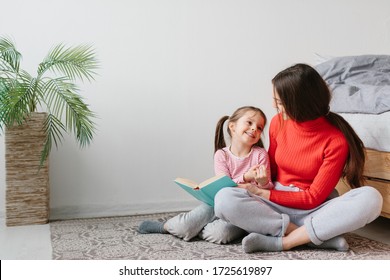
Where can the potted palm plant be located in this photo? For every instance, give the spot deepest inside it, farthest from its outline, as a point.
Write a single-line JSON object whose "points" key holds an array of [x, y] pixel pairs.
{"points": [[35, 112]]}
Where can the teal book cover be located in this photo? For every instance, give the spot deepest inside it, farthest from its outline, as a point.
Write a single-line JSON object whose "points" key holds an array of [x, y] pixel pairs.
{"points": [[206, 190]]}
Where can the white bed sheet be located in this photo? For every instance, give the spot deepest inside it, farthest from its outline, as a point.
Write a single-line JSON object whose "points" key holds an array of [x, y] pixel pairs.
{"points": [[373, 130]]}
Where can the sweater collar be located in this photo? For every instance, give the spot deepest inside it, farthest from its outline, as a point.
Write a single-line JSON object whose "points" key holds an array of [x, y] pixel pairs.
{"points": [[311, 125]]}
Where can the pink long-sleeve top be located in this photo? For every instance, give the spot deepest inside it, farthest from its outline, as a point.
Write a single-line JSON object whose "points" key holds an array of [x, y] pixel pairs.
{"points": [[234, 167]]}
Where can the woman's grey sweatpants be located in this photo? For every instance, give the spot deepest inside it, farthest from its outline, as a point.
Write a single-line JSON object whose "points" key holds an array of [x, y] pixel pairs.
{"points": [[334, 217]]}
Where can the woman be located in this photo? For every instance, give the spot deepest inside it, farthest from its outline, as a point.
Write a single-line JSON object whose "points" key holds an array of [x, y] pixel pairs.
{"points": [[310, 149]]}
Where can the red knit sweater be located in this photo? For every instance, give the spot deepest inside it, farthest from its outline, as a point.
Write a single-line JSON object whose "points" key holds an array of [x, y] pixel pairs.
{"points": [[309, 155]]}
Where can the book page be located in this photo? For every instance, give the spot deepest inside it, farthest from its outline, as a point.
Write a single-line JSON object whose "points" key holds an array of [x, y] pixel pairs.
{"points": [[187, 182], [212, 179]]}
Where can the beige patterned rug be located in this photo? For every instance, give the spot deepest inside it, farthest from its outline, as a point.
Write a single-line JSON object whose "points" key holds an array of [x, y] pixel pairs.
{"points": [[116, 238]]}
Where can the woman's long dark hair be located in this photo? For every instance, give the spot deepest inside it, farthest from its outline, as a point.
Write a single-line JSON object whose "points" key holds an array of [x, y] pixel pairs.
{"points": [[305, 96]]}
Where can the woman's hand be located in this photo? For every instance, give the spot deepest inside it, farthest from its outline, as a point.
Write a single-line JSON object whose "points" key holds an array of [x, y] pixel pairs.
{"points": [[255, 190]]}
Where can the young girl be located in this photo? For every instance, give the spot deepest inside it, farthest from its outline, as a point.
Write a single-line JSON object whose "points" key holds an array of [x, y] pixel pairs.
{"points": [[245, 161], [310, 149]]}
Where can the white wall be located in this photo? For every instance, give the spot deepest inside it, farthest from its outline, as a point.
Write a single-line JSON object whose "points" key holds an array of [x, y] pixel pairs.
{"points": [[169, 70]]}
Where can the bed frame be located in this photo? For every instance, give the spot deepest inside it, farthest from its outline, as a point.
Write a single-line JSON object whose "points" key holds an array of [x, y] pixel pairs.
{"points": [[377, 174]]}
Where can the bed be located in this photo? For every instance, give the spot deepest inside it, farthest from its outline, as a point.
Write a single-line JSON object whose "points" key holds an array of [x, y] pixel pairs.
{"points": [[360, 88]]}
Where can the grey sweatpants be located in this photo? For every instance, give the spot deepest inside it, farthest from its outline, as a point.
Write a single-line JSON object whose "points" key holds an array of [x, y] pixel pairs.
{"points": [[334, 217], [201, 222]]}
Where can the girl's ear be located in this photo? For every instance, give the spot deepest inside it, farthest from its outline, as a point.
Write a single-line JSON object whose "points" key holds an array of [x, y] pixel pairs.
{"points": [[231, 126]]}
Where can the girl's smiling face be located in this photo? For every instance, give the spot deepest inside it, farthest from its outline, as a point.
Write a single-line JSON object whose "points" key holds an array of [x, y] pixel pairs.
{"points": [[248, 128]]}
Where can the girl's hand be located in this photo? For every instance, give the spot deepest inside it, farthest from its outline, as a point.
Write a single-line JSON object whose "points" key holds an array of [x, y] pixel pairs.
{"points": [[249, 176], [255, 190], [257, 173], [261, 175]]}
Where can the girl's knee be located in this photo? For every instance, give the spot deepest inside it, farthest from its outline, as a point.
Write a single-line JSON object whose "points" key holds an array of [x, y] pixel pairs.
{"points": [[221, 232], [223, 201], [188, 225]]}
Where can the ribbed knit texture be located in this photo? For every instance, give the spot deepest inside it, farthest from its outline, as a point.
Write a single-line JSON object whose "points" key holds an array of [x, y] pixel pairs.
{"points": [[309, 155], [234, 167]]}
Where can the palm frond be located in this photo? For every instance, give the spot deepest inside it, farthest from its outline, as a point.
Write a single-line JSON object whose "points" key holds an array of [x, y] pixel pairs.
{"points": [[63, 101], [53, 128], [76, 62], [10, 57], [79, 119], [15, 103], [32, 89], [52, 89], [3, 96]]}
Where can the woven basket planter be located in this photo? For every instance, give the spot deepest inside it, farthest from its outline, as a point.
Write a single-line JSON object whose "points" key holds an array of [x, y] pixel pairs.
{"points": [[27, 186]]}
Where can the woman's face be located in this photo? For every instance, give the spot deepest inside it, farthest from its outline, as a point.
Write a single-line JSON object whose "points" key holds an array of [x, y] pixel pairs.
{"points": [[277, 103]]}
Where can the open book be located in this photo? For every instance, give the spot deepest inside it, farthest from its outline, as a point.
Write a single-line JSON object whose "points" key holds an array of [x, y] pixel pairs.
{"points": [[206, 190]]}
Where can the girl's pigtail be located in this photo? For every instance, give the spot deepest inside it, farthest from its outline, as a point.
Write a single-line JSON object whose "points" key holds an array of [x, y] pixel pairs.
{"points": [[219, 141]]}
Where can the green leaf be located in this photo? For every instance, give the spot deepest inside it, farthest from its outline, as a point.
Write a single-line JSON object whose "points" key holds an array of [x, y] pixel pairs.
{"points": [[76, 62], [9, 56], [53, 128]]}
